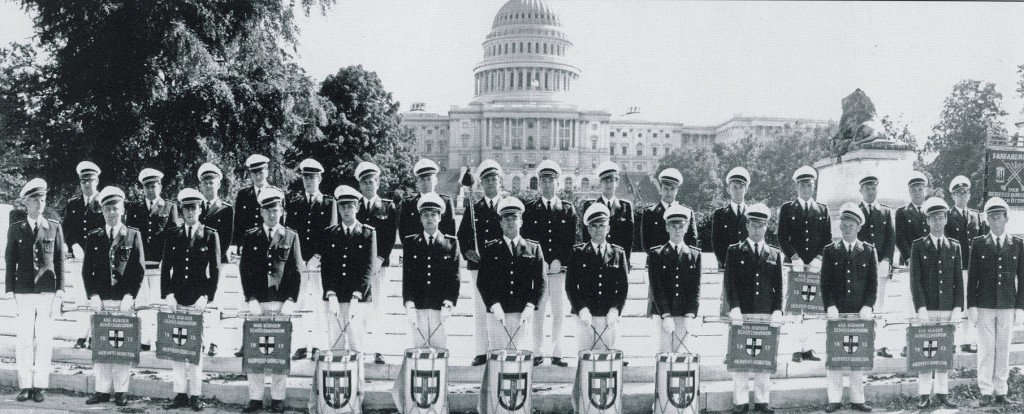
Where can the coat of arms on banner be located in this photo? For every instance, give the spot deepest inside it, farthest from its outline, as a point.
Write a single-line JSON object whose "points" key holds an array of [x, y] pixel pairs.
{"points": [[603, 389], [512, 390], [426, 387], [681, 391]]}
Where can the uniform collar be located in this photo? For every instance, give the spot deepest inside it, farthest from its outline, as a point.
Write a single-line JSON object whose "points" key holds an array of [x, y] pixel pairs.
{"points": [[760, 245], [40, 220], [493, 201], [599, 247], [805, 204], [436, 235], [212, 202], [515, 242], [936, 241], [112, 230], [373, 201], [555, 201], [273, 232], [348, 229], [666, 206], [998, 239], [849, 246], [677, 247], [736, 207], [258, 189], [316, 196], [609, 201], [873, 205]]}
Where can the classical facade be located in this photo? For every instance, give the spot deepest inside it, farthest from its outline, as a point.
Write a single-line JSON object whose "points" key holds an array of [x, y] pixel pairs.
{"points": [[521, 113]]}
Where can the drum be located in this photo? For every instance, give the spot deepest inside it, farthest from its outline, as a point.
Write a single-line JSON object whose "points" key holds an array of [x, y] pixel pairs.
{"points": [[338, 381], [508, 379], [422, 384], [677, 383], [598, 387]]}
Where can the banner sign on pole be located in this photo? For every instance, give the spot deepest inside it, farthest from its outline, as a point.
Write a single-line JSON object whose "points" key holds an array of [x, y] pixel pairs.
{"points": [[850, 345], [753, 348], [804, 293], [266, 347], [179, 336], [930, 347], [115, 339], [1004, 175]]}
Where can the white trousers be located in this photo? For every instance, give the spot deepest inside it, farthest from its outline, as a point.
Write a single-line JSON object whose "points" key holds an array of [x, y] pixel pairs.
{"points": [[521, 334], [188, 378], [835, 385], [968, 331], [34, 330], [741, 387], [554, 296], [353, 326], [429, 326], [149, 293], [278, 385], [111, 377], [995, 331], [587, 337], [925, 382], [480, 317], [669, 341], [307, 330]]}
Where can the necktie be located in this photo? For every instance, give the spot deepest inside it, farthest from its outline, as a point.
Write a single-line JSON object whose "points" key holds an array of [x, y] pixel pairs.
{"points": [[206, 205], [110, 234], [430, 241], [549, 205], [188, 231], [367, 205], [269, 232], [512, 247], [757, 250], [35, 230], [999, 243], [348, 231]]}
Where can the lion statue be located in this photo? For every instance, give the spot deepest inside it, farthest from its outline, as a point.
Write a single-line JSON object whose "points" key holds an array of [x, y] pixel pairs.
{"points": [[859, 124]]}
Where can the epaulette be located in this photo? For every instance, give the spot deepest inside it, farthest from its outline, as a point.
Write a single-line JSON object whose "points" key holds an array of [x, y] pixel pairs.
{"points": [[97, 231], [370, 227], [953, 241], [693, 248], [131, 228], [565, 203], [738, 243], [626, 201], [210, 229], [883, 205], [411, 197], [19, 222], [450, 237], [531, 241], [410, 237], [492, 242], [254, 230], [616, 247], [53, 221], [1012, 238], [386, 200], [580, 245]]}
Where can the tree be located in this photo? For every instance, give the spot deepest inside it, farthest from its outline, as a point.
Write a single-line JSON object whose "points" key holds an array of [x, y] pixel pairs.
{"points": [[702, 187], [20, 92], [969, 116], [363, 125]]}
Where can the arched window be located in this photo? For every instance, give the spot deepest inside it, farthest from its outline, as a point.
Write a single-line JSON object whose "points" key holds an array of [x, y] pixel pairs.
{"points": [[533, 183], [430, 146], [516, 183], [465, 140], [585, 184], [568, 183]]}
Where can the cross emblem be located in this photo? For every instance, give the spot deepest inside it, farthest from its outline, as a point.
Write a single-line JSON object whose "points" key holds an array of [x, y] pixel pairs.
{"points": [[754, 346], [851, 343], [809, 292], [179, 335], [266, 345], [930, 348], [116, 338]]}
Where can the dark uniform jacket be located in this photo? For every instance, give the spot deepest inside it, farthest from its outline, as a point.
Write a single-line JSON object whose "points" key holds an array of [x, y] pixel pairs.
{"points": [[911, 224], [382, 216], [346, 264], [554, 229], [152, 224], [727, 229], [674, 280], [596, 281], [488, 227], [513, 280], [754, 284], [79, 219], [849, 281], [191, 265], [964, 228], [936, 275], [878, 230], [652, 225], [430, 273], [409, 217], [621, 222], [262, 261], [113, 269], [996, 277], [219, 215], [247, 213], [310, 219], [35, 260], [804, 232]]}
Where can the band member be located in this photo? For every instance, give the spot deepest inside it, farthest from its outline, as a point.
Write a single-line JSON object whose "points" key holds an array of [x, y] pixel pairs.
{"points": [[430, 274], [729, 223], [804, 230], [311, 212], [248, 212], [112, 273], [652, 222], [35, 281], [349, 252], [964, 224], [82, 213], [472, 238], [270, 266], [215, 212], [381, 214], [409, 221], [995, 300], [551, 222], [849, 282], [911, 222], [936, 282], [595, 281], [877, 230], [620, 211], [511, 280], [188, 279], [753, 283], [674, 271]]}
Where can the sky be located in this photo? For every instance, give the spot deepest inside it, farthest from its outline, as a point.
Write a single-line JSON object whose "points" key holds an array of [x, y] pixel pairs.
{"points": [[693, 62]]}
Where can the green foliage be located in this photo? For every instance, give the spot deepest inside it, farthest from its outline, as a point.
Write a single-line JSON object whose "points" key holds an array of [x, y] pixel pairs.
{"points": [[20, 92]]}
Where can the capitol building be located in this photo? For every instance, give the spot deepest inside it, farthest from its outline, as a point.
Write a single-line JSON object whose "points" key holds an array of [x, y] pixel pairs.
{"points": [[522, 114]]}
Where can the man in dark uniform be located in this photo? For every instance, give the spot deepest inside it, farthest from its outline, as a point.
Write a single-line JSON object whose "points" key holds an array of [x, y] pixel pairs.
{"points": [[270, 266], [188, 278], [409, 215], [247, 206], [995, 301], [805, 228], [35, 281], [430, 274], [310, 213], [674, 272], [652, 222], [963, 225], [878, 230], [849, 282], [511, 280], [729, 223], [382, 215], [551, 222], [112, 273], [596, 282], [911, 222], [82, 213], [936, 283], [620, 211], [472, 238], [215, 212], [349, 253], [753, 283]]}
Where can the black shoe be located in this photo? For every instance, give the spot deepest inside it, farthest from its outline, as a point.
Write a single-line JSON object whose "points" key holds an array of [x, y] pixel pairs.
{"points": [[276, 406], [557, 361], [985, 401], [538, 361], [196, 403], [798, 356], [97, 398], [737, 409], [80, 343], [313, 353], [944, 401], [24, 395], [903, 353], [299, 354], [38, 395], [239, 353], [809, 355], [969, 349], [763, 408], [144, 347], [254, 406], [120, 399], [479, 360], [883, 352], [862, 407], [1002, 399], [923, 402], [833, 407], [378, 359], [213, 350], [180, 400]]}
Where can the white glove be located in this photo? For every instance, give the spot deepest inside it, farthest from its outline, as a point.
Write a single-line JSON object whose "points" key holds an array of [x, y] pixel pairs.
{"points": [[555, 267], [867, 313], [972, 316], [200, 304], [668, 325], [95, 303], [815, 265], [1018, 317], [776, 317], [586, 317], [353, 309], [736, 316], [922, 315], [527, 315], [446, 309], [332, 305], [956, 315], [254, 308], [612, 317], [498, 313], [410, 313], [287, 308], [171, 301], [833, 312], [688, 323], [797, 262], [77, 250], [127, 302], [884, 267], [313, 263]]}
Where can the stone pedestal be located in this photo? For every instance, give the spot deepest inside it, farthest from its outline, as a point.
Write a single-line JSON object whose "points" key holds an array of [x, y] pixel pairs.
{"points": [[839, 180]]}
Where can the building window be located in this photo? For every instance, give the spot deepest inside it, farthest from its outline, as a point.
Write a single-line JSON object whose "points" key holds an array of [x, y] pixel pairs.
{"points": [[442, 146], [625, 150], [639, 150], [516, 183], [517, 134], [498, 135], [654, 151], [668, 150], [529, 143], [640, 135], [533, 183], [593, 144], [611, 150], [568, 183], [623, 134], [610, 134], [564, 134], [430, 131], [655, 135], [585, 184], [430, 147], [465, 140]]}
